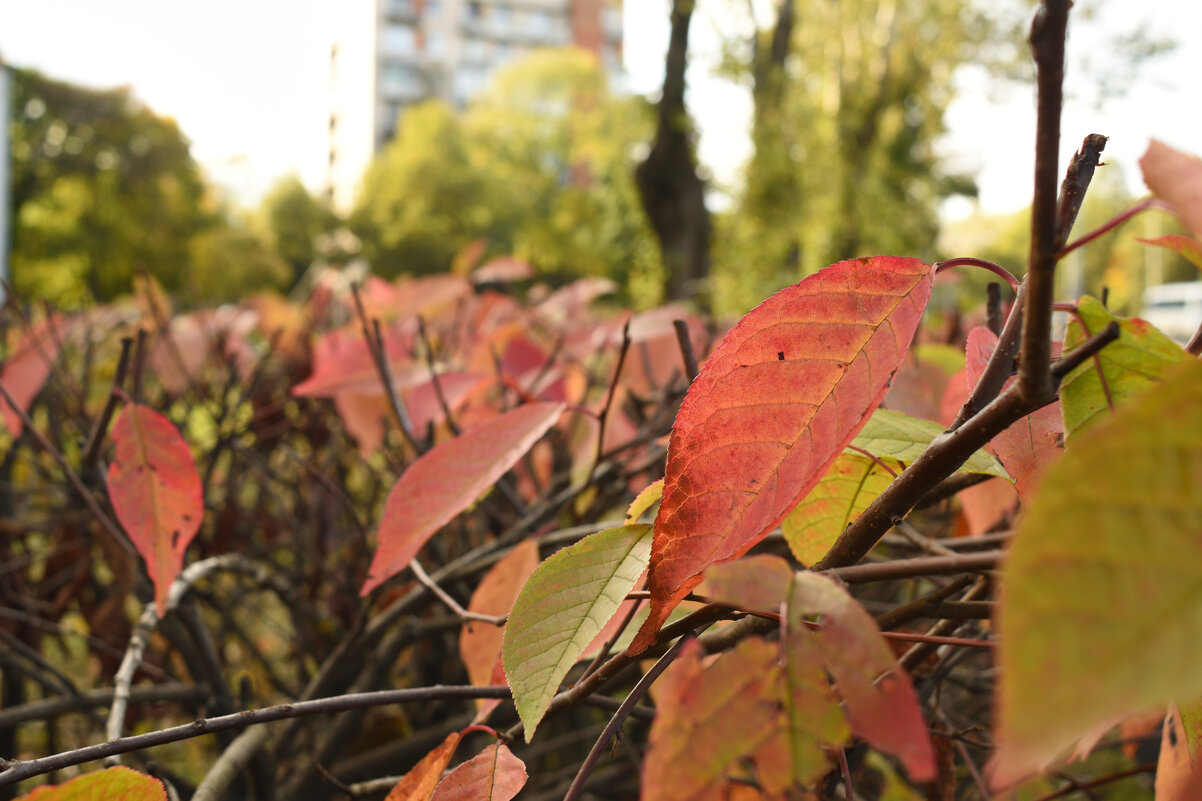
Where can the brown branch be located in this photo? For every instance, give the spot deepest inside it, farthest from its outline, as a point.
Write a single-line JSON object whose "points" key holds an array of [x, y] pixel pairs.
{"points": [[1048, 31], [18, 770], [1076, 182], [686, 349], [922, 566]]}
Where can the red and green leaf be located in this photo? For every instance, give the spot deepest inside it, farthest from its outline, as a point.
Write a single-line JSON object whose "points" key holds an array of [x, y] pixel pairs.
{"points": [[156, 493], [449, 478], [787, 389]]}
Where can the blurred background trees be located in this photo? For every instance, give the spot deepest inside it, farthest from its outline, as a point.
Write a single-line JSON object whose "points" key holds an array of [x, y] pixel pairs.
{"points": [[540, 165], [553, 165]]}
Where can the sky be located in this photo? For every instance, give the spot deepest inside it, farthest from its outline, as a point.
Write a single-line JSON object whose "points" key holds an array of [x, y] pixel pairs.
{"points": [[245, 79]]}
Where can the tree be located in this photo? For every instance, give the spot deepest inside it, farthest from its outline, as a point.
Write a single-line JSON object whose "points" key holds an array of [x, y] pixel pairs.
{"points": [[295, 220], [849, 101], [102, 187], [672, 192], [537, 165]]}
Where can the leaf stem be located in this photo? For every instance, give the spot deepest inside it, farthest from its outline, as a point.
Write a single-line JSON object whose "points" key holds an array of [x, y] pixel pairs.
{"points": [[972, 261]]}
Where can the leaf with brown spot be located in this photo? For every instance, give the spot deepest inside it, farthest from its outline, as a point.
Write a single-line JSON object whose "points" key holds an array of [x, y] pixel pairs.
{"points": [[756, 432]]}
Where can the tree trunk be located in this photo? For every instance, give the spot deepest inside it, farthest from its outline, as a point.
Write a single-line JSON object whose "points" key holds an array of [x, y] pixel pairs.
{"points": [[672, 193]]}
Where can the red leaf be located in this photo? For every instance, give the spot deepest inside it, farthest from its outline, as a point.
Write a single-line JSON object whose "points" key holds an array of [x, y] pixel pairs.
{"points": [[156, 493], [445, 481], [776, 402], [27, 368], [419, 783], [342, 362], [1031, 444], [494, 774], [882, 707]]}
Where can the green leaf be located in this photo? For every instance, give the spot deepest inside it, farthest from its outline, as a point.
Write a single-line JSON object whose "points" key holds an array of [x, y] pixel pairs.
{"points": [[852, 483], [1137, 359], [904, 438], [116, 782], [1102, 600], [561, 608]]}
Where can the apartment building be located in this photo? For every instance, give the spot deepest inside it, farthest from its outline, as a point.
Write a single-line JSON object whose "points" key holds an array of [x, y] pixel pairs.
{"points": [[388, 54]]}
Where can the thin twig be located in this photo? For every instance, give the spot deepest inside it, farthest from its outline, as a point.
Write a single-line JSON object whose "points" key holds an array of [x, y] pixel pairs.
{"points": [[615, 723], [105, 521], [231, 763], [686, 349], [451, 603], [375, 346], [609, 399], [96, 438], [1076, 182], [149, 621], [993, 308], [973, 261]]}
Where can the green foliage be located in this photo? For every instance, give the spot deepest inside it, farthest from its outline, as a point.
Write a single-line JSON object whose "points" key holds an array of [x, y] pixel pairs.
{"points": [[846, 165], [295, 220], [231, 261], [539, 166], [101, 188]]}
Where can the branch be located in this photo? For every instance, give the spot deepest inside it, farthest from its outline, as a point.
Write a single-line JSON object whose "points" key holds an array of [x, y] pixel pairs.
{"points": [[1076, 182], [18, 770], [1048, 32], [149, 622], [231, 762]]}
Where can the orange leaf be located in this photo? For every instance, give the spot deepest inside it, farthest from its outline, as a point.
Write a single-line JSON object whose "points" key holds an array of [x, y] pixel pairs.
{"points": [[494, 774], [480, 644], [1184, 246], [27, 368], [782, 395], [711, 718], [447, 479], [419, 783], [1177, 776], [1031, 444], [1175, 177], [156, 493], [114, 782]]}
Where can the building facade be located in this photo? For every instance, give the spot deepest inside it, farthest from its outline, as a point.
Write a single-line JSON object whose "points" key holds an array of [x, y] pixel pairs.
{"points": [[388, 54]]}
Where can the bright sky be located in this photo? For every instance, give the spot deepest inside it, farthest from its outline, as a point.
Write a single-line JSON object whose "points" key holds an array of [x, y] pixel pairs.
{"points": [[245, 79]]}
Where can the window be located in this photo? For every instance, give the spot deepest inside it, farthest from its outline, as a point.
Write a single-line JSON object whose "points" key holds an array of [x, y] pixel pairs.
{"points": [[400, 79], [475, 50], [469, 80], [435, 46], [401, 8], [474, 11], [433, 8], [542, 23], [400, 40], [502, 18]]}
